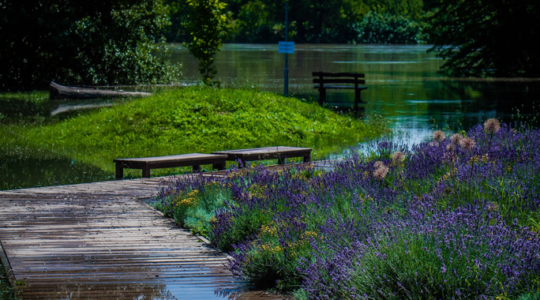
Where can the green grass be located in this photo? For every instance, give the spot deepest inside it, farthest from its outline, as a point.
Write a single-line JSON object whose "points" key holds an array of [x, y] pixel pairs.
{"points": [[6, 292], [186, 120], [21, 107]]}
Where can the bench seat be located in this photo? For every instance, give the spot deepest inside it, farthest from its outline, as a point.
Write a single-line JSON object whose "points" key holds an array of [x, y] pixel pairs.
{"points": [[279, 152], [172, 161], [341, 87]]}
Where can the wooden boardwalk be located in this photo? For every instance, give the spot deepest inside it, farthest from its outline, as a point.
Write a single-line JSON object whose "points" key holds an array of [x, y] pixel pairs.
{"points": [[99, 240]]}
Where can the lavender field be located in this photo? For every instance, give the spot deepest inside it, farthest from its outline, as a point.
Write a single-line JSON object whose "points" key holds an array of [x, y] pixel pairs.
{"points": [[456, 217]]}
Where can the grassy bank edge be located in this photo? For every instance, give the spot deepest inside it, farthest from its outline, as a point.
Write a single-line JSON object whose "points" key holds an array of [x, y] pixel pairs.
{"points": [[41, 139]]}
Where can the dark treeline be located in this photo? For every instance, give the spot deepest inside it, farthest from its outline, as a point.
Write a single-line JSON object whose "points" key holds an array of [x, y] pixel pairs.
{"points": [[112, 42], [320, 21]]}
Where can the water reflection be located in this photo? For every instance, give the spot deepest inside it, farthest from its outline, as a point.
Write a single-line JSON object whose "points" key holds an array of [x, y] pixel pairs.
{"points": [[18, 171], [403, 80]]}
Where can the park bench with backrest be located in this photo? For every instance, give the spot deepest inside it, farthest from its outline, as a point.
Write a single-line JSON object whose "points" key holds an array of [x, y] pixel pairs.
{"points": [[340, 81]]}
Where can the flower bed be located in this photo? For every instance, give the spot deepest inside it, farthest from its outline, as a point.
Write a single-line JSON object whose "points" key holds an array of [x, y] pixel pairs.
{"points": [[457, 217]]}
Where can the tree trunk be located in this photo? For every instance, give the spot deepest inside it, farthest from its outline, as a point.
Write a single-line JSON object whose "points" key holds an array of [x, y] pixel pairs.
{"points": [[65, 92]]}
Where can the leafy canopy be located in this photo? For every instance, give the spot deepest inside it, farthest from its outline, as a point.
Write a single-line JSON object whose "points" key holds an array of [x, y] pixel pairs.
{"points": [[208, 25], [83, 42], [495, 37]]}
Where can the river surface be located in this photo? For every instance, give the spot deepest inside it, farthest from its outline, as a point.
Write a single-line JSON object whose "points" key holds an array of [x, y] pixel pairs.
{"points": [[403, 82]]}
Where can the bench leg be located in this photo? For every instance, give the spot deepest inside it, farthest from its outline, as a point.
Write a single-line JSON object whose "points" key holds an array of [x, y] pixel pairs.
{"points": [[218, 166], [196, 168], [119, 171], [281, 160], [307, 158], [322, 96], [146, 172], [356, 99]]}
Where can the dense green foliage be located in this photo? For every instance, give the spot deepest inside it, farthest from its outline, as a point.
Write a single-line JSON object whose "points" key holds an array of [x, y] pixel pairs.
{"points": [[378, 28], [191, 120], [208, 24], [479, 38], [262, 21], [83, 42]]}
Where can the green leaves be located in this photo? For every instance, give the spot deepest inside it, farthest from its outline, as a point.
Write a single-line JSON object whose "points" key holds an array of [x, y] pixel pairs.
{"points": [[487, 38], [84, 42], [378, 28], [208, 24]]}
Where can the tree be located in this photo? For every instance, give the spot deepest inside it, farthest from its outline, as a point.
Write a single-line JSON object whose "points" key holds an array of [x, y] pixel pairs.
{"points": [[487, 37], [208, 25], [83, 42]]}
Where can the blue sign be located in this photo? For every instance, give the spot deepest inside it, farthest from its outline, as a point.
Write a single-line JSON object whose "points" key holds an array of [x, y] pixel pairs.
{"points": [[286, 47]]}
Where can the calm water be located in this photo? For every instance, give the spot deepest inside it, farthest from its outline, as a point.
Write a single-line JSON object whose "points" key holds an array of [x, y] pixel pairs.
{"points": [[404, 85]]}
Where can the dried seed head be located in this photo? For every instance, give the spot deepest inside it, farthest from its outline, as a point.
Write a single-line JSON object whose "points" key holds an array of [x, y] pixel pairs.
{"points": [[456, 138], [438, 136], [381, 172], [492, 206], [492, 125], [450, 147], [434, 144], [398, 157], [378, 164], [467, 144]]}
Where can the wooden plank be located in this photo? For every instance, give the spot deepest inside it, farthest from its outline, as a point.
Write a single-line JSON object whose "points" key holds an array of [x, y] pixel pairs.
{"points": [[325, 81], [338, 74], [341, 87], [265, 153], [181, 157]]}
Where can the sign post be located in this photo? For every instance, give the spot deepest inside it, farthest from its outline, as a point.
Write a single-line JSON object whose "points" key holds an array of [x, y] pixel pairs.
{"points": [[286, 47]]}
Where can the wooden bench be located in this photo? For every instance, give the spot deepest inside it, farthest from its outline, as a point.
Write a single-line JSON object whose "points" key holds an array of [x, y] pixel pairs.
{"points": [[279, 152], [147, 163], [340, 81]]}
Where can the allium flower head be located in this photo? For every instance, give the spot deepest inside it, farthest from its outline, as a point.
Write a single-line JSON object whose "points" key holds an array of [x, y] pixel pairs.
{"points": [[492, 206], [434, 144], [398, 157], [438, 136], [456, 138], [492, 125], [467, 144], [381, 172], [450, 147], [378, 164]]}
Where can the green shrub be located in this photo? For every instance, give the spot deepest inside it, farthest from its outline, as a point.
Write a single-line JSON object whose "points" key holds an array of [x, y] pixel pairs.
{"points": [[376, 28], [83, 42]]}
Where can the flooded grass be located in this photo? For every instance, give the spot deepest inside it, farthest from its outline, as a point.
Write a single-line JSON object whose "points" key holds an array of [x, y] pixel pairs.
{"points": [[80, 146]]}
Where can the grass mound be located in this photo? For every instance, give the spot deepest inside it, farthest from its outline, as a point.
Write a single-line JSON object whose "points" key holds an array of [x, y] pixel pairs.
{"points": [[198, 120]]}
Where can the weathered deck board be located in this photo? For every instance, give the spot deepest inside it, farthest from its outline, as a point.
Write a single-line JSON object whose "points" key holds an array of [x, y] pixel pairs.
{"points": [[97, 240]]}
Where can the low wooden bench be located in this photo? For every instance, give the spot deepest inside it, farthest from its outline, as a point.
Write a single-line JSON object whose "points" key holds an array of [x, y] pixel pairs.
{"points": [[279, 152], [184, 160], [340, 81]]}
